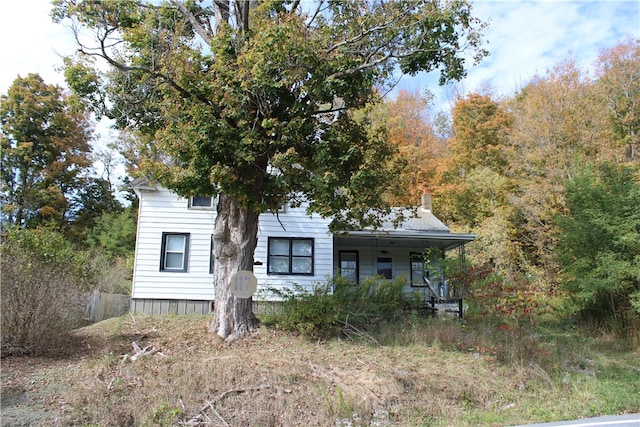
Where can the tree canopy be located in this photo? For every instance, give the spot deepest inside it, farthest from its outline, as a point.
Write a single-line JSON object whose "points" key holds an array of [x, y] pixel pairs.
{"points": [[255, 104], [547, 179], [45, 148], [599, 246]]}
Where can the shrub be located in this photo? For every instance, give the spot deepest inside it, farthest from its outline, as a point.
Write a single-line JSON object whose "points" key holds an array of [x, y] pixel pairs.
{"points": [[509, 310], [113, 274], [43, 285], [340, 307], [314, 314]]}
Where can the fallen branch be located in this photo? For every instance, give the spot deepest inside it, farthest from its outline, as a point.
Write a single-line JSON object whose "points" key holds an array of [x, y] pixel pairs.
{"points": [[350, 330], [139, 352], [213, 408], [196, 419]]}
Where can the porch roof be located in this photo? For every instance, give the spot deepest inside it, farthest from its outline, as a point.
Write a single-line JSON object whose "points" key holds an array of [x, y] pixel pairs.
{"points": [[421, 228], [405, 238]]}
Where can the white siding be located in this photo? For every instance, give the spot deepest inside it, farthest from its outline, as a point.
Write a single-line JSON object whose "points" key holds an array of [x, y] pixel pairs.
{"points": [[295, 223], [162, 211]]}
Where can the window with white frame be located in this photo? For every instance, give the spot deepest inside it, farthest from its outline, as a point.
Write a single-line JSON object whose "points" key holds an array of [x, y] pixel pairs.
{"points": [[174, 252], [289, 255], [202, 202]]}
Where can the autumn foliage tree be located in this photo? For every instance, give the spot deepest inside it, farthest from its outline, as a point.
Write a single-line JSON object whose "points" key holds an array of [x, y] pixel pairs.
{"points": [[410, 126], [471, 181], [45, 152], [618, 81], [252, 101], [547, 179]]}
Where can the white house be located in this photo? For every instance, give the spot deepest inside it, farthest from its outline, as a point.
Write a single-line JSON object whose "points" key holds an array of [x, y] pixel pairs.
{"points": [[173, 263]]}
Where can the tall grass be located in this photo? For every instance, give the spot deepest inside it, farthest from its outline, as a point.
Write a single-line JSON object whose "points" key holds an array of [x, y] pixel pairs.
{"points": [[421, 370], [506, 320]]}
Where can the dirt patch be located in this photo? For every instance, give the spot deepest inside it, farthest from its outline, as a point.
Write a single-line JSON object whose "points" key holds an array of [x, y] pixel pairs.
{"points": [[33, 391]]}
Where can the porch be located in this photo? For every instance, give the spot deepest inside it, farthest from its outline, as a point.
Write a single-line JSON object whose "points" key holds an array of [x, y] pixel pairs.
{"points": [[416, 257]]}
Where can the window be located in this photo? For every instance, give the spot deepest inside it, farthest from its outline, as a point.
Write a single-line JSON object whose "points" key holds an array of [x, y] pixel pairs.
{"points": [[290, 256], [174, 253], [349, 265], [385, 268], [418, 272], [201, 202]]}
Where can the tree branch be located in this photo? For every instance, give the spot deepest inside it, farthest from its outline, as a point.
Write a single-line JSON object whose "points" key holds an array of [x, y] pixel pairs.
{"points": [[369, 31], [102, 52], [222, 11], [202, 32], [315, 14]]}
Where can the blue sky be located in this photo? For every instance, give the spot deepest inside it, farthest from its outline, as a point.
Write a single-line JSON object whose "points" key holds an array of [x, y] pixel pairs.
{"points": [[525, 38]]}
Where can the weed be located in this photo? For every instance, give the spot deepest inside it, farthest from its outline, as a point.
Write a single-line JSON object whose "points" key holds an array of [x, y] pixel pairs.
{"points": [[165, 414]]}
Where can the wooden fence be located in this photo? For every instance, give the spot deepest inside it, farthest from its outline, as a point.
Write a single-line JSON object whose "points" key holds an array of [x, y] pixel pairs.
{"points": [[104, 306]]}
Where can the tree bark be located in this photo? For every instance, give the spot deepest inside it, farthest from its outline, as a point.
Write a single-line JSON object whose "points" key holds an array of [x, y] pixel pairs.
{"points": [[234, 241]]}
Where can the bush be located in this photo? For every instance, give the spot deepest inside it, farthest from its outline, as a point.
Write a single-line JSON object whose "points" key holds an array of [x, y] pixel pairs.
{"points": [[43, 286], [114, 275], [314, 314], [340, 307]]}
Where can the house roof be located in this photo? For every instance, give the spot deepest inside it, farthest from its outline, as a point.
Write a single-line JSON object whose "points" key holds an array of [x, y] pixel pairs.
{"points": [[400, 238], [143, 183], [421, 220], [421, 227]]}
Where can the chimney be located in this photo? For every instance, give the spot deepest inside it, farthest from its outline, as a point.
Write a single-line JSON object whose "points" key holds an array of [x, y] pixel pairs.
{"points": [[426, 200]]}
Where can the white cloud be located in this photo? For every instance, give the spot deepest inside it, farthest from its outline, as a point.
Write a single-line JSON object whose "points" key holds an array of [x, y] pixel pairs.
{"points": [[31, 42], [526, 38]]}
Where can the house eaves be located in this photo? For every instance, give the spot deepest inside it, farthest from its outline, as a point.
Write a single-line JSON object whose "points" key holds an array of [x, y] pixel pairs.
{"points": [[143, 184], [443, 240]]}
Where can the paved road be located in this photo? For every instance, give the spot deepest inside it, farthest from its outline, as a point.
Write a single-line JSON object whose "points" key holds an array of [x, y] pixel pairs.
{"points": [[632, 420]]}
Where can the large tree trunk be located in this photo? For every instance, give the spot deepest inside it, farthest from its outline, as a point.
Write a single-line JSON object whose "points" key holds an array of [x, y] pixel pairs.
{"points": [[234, 241]]}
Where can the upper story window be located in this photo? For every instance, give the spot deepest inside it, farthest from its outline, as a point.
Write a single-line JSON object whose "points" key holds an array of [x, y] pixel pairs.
{"points": [[202, 202], [174, 252], [289, 255]]}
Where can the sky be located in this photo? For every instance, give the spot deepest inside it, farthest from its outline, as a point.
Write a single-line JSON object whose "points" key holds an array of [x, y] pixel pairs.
{"points": [[528, 38], [525, 38]]}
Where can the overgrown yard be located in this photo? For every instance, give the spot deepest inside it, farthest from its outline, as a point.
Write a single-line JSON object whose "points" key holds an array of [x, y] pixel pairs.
{"points": [[141, 370]]}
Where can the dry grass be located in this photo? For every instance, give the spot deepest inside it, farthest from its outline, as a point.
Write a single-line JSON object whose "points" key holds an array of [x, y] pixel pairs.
{"points": [[185, 376]]}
